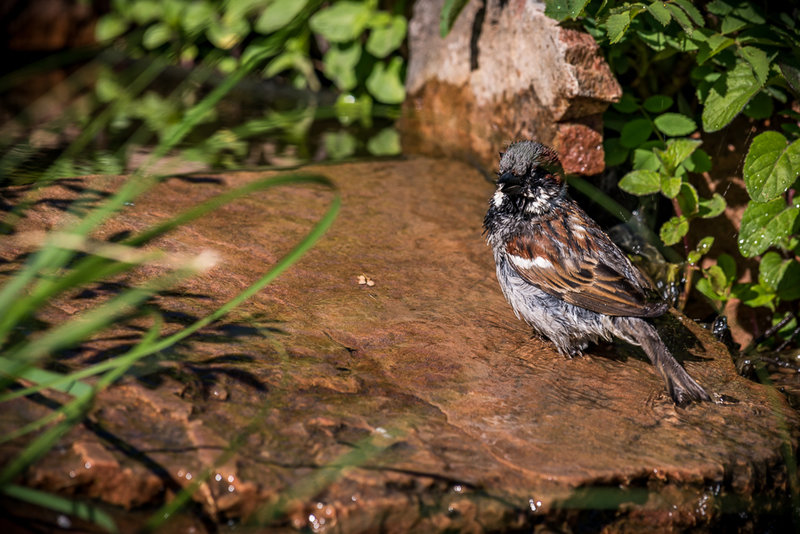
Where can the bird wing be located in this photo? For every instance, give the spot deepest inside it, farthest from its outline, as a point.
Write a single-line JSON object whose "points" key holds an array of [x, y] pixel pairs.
{"points": [[584, 267]]}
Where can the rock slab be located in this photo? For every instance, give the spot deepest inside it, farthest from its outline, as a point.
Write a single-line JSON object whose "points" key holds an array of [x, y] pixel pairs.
{"points": [[383, 383], [505, 72]]}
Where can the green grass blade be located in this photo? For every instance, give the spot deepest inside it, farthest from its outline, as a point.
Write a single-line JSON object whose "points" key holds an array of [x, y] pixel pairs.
{"points": [[62, 505], [63, 383]]}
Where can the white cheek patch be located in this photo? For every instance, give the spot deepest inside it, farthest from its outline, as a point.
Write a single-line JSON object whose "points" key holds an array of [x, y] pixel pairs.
{"points": [[498, 199], [525, 263], [538, 205]]}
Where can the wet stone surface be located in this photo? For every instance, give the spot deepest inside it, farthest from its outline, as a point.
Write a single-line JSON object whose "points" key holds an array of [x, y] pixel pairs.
{"points": [[418, 402]]}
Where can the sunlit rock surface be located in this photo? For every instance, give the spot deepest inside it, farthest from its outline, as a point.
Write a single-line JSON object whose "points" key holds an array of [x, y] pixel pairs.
{"points": [[417, 402], [506, 71]]}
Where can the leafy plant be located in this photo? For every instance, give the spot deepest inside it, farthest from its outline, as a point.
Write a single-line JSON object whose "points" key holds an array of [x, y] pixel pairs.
{"points": [[690, 69], [358, 41]]}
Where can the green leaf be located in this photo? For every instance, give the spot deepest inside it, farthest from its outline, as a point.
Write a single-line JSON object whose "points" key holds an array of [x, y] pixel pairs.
{"points": [[754, 295], [635, 132], [339, 64], [642, 182], [278, 14], [771, 166], [616, 25], [704, 286], [680, 16], [675, 124], [692, 11], [142, 12], [760, 107], [615, 153], [385, 83], [791, 72], [670, 185], [228, 35], [789, 285], [659, 12], [708, 209], [764, 224], [758, 61], [658, 103], [196, 16], [379, 19], [705, 244], [673, 230], [731, 23], [698, 162], [349, 109], [719, 7], [385, 143], [780, 275], [339, 145], [711, 45], [342, 21], [627, 104], [676, 153], [645, 159], [728, 266], [386, 39], [107, 89], [728, 96], [452, 8], [110, 26], [716, 277], [771, 269], [655, 39], [750, 12], [156, 35], [282, 62], [688, 199], [562, 9]]}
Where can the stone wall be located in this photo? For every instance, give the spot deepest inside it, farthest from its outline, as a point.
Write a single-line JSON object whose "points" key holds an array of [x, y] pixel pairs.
{"points": [[505, 72]]}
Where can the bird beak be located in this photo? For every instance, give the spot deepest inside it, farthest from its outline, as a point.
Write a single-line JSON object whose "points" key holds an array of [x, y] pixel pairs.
{"points": [[508, 178]]}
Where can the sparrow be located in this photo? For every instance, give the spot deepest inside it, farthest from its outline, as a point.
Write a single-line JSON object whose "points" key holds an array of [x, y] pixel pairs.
{"points": [[563, 275]]}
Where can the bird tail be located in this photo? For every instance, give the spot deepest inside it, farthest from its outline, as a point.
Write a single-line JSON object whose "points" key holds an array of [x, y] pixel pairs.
{"points": [[682, 387]]}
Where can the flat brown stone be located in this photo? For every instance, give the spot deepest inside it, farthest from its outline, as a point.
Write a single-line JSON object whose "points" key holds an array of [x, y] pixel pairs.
{"points": [[417, 403]]}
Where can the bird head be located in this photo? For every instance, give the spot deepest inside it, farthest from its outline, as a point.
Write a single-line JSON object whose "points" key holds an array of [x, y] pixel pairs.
{"points": [[530, 177]]}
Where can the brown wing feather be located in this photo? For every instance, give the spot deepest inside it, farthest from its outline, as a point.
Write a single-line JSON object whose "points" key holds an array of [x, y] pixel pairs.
{"points": [[587, 269]]}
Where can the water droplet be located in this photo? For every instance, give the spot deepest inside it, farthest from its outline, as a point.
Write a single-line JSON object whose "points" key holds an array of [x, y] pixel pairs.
{"points": [[63, 521], [231, 479], [231, 488], [218, 477], [188, 476], [88, 465]]}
